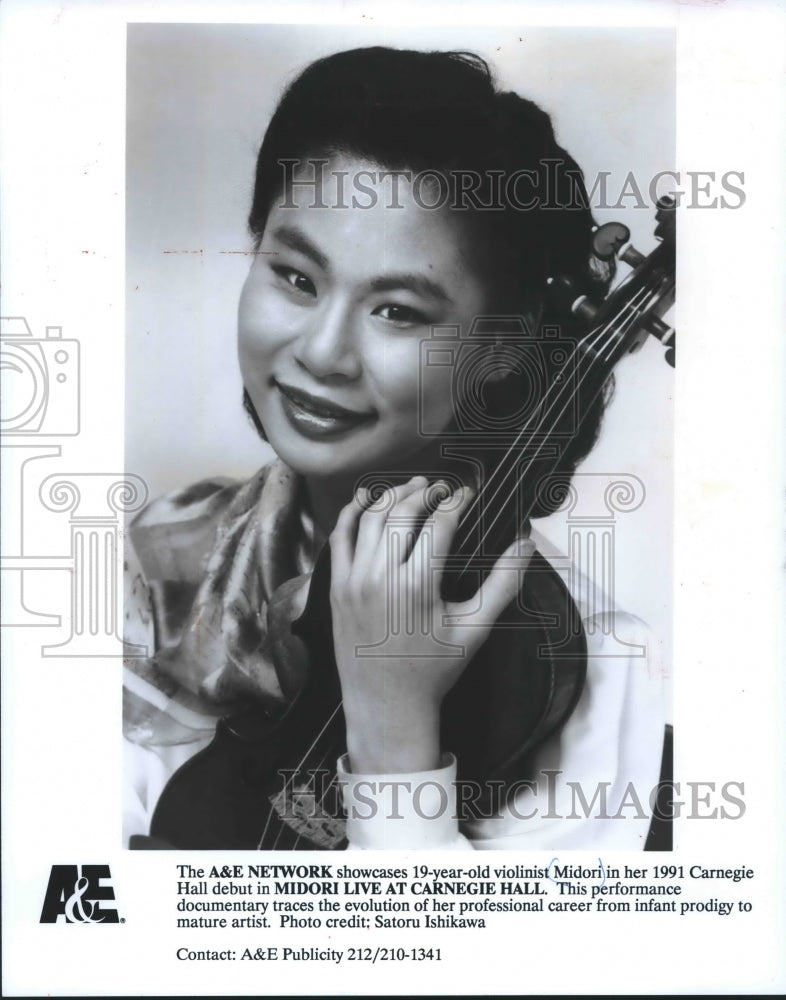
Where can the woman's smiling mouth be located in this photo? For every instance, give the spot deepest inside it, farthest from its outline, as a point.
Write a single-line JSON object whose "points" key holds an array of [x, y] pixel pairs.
{"points": [[315, 417]]}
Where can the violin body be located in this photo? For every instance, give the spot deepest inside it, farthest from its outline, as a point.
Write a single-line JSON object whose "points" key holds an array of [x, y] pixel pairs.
{"points": [[255, 787]]}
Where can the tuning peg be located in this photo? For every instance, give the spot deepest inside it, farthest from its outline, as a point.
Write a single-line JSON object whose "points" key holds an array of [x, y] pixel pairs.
{"points": [[631, 256], [608, 238], [665, 216], [602, 261], [666, 335]]}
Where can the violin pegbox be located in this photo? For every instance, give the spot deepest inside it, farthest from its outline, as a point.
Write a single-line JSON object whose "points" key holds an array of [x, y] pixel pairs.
{"points": [[623, 317], [656, 272]]}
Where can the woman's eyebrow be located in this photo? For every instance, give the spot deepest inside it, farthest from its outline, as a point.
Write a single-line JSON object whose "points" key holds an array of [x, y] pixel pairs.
{"points": [[417, 283], [297, 240]]}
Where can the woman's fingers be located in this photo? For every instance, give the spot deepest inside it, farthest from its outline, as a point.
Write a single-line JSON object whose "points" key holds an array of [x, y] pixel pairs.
{"points": [[342, 538], [403, 525], [436, 539], [371, 526]]}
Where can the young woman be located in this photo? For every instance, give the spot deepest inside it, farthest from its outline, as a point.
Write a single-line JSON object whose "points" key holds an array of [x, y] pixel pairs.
{"points": [[401, 204]]}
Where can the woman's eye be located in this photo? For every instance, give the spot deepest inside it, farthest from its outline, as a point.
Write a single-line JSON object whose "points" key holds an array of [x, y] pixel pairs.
{"points": [[296, 279], [401, 315]]}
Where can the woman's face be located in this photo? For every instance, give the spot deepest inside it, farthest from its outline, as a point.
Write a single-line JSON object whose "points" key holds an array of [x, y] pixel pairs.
{"points": [[333, 314]]}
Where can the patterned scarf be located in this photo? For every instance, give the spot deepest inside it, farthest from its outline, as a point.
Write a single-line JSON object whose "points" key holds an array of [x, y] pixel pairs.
{"points": [[201, 569]]}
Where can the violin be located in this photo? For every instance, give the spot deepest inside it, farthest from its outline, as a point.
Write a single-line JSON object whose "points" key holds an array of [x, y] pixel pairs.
{"points": [[267, 781]]}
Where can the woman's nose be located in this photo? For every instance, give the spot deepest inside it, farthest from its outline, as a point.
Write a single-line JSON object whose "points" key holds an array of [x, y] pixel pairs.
{"points": [[327, 348]]}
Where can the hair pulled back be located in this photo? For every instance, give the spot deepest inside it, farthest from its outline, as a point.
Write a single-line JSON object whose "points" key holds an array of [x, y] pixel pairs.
{"points": [[441, 112]]}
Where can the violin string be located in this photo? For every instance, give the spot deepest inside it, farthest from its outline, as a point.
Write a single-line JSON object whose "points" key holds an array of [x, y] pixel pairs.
{"points": [[555, 388], [561, 390], [596, 359], [629, 321], [478, 499], [639, 310], [288, 786], [562, 387], [319, 803], [286, 790], [334, 780], [298, 834], [291, 781]]}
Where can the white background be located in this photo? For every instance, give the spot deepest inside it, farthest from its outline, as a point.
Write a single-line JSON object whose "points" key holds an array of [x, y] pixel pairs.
{"points": [[63, 263]]}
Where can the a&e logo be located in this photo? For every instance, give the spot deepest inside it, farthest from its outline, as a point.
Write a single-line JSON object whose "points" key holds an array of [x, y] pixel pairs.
{"points": [[76, 893]]}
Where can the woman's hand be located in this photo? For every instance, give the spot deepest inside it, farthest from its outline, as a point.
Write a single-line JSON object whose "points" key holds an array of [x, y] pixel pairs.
{"points": [[399, 647]]}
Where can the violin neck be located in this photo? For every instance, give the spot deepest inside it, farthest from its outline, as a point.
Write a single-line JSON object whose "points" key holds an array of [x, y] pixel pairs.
{"points": [[525, 473]]}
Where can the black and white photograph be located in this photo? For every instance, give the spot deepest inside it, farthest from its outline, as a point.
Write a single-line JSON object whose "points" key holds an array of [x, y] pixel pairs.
{"points": [[413, 382], [381, 585]]}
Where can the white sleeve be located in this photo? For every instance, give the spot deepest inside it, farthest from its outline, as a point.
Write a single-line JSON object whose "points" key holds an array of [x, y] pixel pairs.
{"points": [[389, 811], [591, 784], [594, 782]]}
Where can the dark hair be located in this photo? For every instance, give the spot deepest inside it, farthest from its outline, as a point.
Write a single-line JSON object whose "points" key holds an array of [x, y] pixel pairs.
{"points": [[440, 111]]}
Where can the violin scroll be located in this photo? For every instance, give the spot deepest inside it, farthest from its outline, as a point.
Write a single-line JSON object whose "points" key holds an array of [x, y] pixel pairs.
{"points": [[634, 309]]}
